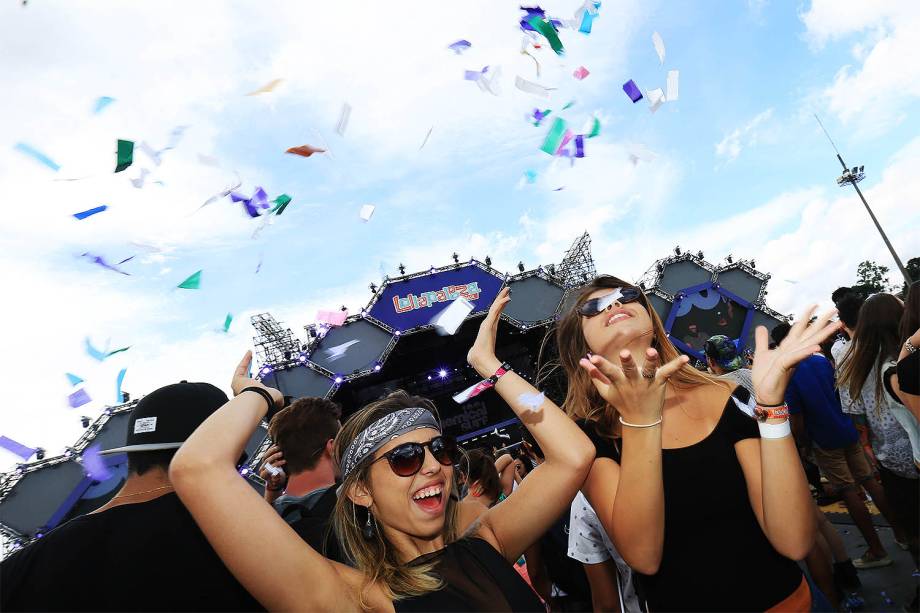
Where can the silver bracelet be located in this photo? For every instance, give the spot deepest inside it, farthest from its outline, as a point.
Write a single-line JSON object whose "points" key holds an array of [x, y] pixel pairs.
{"points": [[651, 425], [909, 346]]}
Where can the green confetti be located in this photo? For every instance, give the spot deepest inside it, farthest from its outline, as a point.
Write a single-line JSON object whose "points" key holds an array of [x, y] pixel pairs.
{"points": [[281, 203], [227, 321], [595, 128], [193, 282], [111, 353], [125, 154], [568, 105], [554, 137], [546, 28]]}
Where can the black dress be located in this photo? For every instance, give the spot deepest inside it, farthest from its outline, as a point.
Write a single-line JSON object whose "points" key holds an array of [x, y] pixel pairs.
{"points": [[476, 578], [716, 557]]}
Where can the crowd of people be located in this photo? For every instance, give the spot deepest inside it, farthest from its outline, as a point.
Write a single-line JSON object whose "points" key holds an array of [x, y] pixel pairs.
{"points": [[655, 486]]}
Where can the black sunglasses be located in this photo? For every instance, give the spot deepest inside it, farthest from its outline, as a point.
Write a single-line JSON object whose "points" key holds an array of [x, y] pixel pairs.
{"points": [[407, 459], [595, 306]]}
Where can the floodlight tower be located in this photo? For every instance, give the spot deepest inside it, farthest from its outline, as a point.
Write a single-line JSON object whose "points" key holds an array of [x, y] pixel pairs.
{"points": [[852, 176]]}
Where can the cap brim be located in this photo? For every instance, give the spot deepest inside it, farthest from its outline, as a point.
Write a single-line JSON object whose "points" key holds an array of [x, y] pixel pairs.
{"points": [[148, 447]]}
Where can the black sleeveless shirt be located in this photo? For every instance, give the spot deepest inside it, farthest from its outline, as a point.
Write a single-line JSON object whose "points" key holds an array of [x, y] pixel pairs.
{"points": [[716, 557], [476, 578]]}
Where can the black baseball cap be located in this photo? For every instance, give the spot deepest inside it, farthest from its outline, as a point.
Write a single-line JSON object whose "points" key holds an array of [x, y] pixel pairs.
{"points": [[164, 419]]}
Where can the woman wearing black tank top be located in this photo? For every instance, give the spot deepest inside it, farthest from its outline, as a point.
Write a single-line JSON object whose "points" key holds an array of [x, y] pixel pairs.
{"points": [[710, 515], [395, 517]]}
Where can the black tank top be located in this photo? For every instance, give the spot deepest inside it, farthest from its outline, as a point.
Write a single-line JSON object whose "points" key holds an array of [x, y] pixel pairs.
{"points": [[476, 578], [716, 557]]}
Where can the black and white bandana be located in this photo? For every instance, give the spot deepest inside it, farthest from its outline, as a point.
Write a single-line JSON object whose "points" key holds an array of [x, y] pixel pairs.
{"points": [[382, 431]]}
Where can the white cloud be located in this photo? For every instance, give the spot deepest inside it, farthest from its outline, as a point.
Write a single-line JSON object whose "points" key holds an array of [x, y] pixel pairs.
{"points": [[875, 93], [749, 134]]}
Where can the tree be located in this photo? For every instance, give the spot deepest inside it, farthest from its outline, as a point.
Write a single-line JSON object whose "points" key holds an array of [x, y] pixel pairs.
{"points": [[871, 278], [913, 270]]}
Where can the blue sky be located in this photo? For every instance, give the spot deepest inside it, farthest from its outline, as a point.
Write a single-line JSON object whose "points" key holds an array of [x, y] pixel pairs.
{"points": [[736, 165]]}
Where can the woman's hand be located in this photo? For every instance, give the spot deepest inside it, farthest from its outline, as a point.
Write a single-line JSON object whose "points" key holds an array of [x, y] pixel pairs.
{"points": [[637, 397], [482, 354], [774, 367], [242, 380]]}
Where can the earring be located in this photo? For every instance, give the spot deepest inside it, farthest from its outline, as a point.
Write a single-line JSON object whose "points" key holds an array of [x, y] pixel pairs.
{"points": [[369, 526]]}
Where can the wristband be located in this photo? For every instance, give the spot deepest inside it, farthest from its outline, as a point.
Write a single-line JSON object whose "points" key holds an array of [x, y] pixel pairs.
{"points": [[774, 430], [764, 412], [272, 409], [909, 346], [478, 388]]}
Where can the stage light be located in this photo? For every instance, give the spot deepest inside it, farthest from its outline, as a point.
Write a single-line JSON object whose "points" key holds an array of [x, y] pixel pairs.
{"points": [[552, 269], [343, 308], [429, 377], [442, 373], [699, 254], [521, 266], [338, 379], [728, 258], [373, 288], [677, 250], [287, 355], [244, 471], [84, 421], [397, 333], [302, 358], [266, 370], [402, 269], [456, 258], [431, 270], [488, 261], [753, 265], [39, 454], [377, 367]]}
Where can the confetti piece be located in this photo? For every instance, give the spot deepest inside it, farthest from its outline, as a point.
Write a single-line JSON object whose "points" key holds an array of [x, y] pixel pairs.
{"points": [[532, 88], [305, 150], [448, 321], [580, 73], [223, 193], [460, 46], [655, 99], [37, 155], [150, 152], [281, 203], [565, 141], [539, 116], [123, 349], [208, 160], [554, 137], [78, 398], [227, 321], [673, 76], [267, 88], [254, 205], [530, 175], [427, 136], [334, 353], [333, 318], [659, 46], [548, 30], [17, 448], [536, 63], [100, 261], [118, 381], [568, 105], [90, 212], [632, 90], [559, 189], [580, 146], [73, 379], [587, 21], [366, 211], [595, 128], [94, 464], [533, 401], [192, 282], [474, 75], [101, 103], [344, 116], [139, 181], [125, 155], [93, 352]]}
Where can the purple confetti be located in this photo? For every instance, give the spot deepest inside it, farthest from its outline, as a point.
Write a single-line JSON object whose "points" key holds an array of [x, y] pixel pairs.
{"points": [[580, 146], [78, 398], [98, 259], [17, 448], [460, 46], [565, 141], [95, 465], [475, 75], [632, 90]]}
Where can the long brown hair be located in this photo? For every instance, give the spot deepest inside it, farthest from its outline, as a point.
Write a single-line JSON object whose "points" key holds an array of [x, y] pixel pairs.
{"points": [[910, 321], [482, 470], [876, 340], [582, 401], [377, 558]]}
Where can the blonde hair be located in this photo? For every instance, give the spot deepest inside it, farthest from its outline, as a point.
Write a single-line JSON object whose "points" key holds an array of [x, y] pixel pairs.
{"points": [[377, 558], [582, 400]]}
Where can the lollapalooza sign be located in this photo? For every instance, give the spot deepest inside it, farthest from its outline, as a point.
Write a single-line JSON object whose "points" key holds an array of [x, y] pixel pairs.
{"points": [[409, 303]]}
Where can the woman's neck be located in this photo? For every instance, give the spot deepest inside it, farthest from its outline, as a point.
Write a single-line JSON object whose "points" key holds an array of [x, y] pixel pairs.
{"points": [[410, 547], [636, 346]]}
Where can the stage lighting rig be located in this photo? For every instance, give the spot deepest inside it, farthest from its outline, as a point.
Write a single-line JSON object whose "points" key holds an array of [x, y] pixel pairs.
{"points": [[373, 288], [402, 268], [521, 266], [488, 261], [456, 257]]}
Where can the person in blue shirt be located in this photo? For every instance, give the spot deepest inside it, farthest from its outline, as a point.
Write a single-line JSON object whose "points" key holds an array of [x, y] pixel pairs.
{"points": [[814, 406]]}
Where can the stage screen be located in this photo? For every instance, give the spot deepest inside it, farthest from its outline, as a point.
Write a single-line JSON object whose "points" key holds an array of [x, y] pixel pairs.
{"points": [[706, 313]]}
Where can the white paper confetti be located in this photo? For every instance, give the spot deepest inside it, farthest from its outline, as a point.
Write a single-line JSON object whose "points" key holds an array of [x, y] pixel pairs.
{"points": [[366, 211], [533, 402], [659, 46], [448, 321], [344, 116], [531, 88], [139, 182], [151, 153], [673, 76], [655, 98]]}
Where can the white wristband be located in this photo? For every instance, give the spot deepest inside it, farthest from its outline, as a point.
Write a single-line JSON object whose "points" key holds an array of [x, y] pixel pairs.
{"points": [[774, 430]]}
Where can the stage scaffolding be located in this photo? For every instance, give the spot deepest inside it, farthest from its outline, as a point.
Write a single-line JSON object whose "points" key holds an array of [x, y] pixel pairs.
{"points": [[577, 266], [274, 344]]}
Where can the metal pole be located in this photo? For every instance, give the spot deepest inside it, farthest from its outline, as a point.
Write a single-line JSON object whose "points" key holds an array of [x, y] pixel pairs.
{"points": [[884, 236]]}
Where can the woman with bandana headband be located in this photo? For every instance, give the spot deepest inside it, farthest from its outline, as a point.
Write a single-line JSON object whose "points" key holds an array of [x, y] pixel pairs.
{"points": [[397, 513], [707, 505]]}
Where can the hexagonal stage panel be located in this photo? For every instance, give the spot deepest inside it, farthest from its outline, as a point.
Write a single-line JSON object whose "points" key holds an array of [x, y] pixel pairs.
{"points": [[533, 300], [42, 497], [351, 348], [678, 275], [299, 381], [741, 283]]}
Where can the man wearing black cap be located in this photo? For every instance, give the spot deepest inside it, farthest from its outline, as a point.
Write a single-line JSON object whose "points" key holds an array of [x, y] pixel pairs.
{"points": [[142, 551]]}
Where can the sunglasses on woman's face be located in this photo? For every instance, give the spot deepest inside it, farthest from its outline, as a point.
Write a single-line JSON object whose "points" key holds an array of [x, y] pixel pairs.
{"points": [[407, 459], [595, 306]]}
